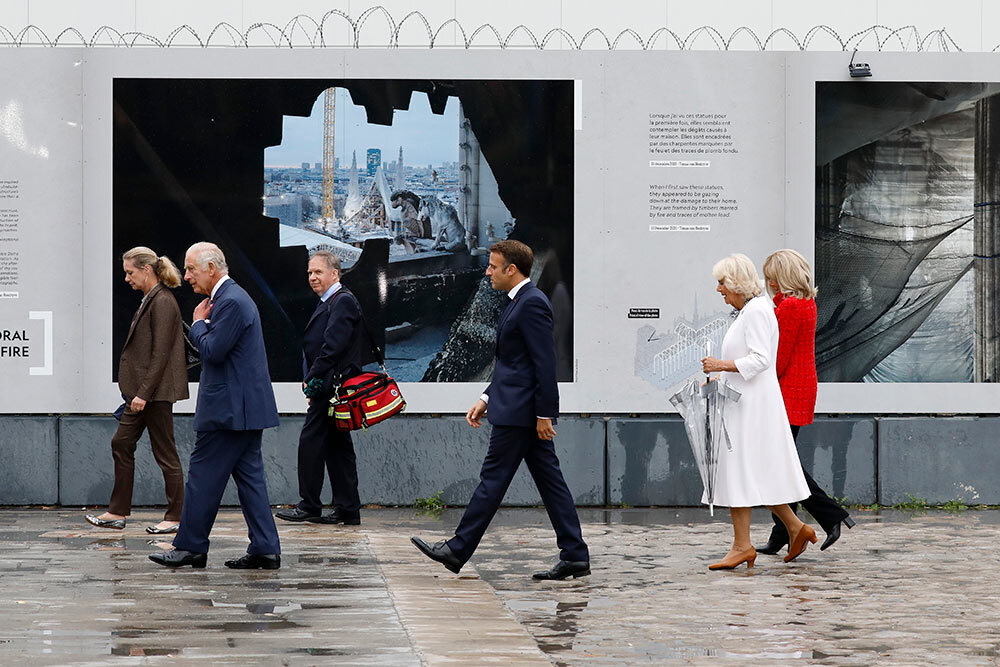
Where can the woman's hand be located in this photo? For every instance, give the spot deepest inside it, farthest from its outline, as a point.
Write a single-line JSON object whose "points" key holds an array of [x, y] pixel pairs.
{"points": [[137, 404], [713, 365]]}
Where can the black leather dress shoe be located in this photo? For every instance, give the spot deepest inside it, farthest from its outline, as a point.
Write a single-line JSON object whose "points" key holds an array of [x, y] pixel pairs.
{"points": [[834, 533], [439, 552], [295, 514], [116, 524], [255, 562], [337, 517], [179, 558], [773, 546], [565, 568]]}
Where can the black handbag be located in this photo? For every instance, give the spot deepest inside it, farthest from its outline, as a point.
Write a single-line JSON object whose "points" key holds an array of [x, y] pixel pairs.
{"points": [[192, 356]]}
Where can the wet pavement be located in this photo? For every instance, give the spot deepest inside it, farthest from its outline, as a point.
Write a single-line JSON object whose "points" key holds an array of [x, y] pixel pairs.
{"points": [[900, 588]]}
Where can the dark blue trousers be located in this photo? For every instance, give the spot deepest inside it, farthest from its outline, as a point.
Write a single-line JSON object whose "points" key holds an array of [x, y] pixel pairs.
{"points": [[322, 445], [216, 456], [509, 445]]}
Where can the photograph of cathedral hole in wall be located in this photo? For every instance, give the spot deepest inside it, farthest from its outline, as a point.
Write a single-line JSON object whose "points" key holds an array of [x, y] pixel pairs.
{"points": [[408, 181], [907, 231]]}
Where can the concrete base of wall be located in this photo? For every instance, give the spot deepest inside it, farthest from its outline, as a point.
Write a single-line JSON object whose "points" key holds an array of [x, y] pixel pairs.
{"points": [[30, 471], [939, 459], [633, 461]]}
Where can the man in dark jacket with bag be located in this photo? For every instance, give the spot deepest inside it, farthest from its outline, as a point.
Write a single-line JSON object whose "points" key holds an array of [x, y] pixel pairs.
{"points": [[331, 347]]}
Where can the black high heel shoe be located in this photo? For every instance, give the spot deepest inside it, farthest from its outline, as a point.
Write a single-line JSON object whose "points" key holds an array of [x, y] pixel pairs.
{"points": [[834, 534]]}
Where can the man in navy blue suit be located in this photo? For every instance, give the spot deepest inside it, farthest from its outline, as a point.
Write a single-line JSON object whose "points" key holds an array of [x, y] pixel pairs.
{"points": [[523, 404], [235, 404], [331, 348]]}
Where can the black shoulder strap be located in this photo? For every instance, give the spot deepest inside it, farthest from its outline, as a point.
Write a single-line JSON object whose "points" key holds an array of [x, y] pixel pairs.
{"points": [[376, 350]]}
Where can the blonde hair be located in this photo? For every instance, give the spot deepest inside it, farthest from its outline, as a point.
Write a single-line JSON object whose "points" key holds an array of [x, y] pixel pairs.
{"points": [[738, 274], [164, 270], [791, 272]]}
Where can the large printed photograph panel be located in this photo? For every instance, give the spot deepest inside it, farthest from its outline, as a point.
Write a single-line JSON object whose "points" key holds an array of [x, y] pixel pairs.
{"points": [[408, 181], [906, 201]]}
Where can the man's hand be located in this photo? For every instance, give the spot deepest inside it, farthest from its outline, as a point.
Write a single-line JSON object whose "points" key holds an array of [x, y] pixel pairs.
{"points": [[475, 414], [202, 310], [313, 388], [137, 404], [544, 429]]}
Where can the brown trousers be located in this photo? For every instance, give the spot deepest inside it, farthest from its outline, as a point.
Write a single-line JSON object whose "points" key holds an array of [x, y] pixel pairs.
{"points": [[158, 417]]}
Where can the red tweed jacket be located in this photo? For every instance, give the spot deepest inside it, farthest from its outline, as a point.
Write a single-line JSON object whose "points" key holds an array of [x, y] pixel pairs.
{"points": [[796, 363]]}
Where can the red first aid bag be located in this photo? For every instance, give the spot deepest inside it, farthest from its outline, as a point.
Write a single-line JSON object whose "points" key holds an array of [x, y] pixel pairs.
{"points": [[365, 400]]}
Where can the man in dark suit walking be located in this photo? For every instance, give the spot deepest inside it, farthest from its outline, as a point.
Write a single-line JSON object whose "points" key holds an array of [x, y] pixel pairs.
{"points": [[235, 404], [523, 401], [331, 349]]}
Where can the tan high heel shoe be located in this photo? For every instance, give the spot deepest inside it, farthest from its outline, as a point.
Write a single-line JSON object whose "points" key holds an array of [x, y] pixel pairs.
{"points": [[800, 542], [731, 563]]}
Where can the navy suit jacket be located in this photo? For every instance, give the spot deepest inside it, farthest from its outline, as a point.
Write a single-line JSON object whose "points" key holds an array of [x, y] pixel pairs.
{"points": [[524, 375], [331, 344], [235, 392]]}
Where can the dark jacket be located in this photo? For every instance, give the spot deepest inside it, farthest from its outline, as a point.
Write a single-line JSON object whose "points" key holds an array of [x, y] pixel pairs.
{"points": [[152, 364], [331, 344], [524, 376], [235, 391]]}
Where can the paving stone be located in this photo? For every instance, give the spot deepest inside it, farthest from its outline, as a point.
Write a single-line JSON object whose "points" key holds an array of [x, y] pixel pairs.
{"points": [[900, 588]]}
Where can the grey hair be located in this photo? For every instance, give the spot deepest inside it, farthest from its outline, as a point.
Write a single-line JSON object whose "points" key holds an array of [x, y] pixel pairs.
{"points": [[206, 253], [332, 261]]}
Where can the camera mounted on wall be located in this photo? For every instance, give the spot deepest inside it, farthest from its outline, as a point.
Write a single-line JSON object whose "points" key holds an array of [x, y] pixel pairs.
{"points": [[858, 70]]}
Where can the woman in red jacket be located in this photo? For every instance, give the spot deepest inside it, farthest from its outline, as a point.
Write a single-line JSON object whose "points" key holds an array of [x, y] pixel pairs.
{"points": [[789, 282]]}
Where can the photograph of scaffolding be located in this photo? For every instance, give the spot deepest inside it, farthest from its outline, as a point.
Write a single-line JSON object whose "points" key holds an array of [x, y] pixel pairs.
{"points": [[906, 231]]}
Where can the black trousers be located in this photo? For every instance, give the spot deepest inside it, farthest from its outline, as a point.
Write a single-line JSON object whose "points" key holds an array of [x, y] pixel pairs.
{"points": [[827, 511], [323, 447], [509, 445]]}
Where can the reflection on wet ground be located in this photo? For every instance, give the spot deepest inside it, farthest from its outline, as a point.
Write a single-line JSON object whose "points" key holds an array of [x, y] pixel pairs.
{"points": [[904, 588]]}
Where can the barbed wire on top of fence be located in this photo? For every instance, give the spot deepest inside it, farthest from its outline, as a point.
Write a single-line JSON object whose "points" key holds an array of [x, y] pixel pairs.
{"points": [[375, 27]]}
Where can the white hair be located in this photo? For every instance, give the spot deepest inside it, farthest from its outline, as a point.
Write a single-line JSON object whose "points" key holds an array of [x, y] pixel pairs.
{"points": [[738, 274], [205, 253]]}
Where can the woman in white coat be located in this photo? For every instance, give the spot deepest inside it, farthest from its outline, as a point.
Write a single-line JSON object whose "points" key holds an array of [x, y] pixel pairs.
{"points": [[763, 467]]}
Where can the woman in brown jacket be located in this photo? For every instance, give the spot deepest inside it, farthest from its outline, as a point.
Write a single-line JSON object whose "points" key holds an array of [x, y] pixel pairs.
{"points": [[152, 374]]}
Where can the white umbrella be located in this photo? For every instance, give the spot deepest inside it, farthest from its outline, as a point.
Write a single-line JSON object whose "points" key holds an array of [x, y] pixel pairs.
{"points": [[703, 408]]}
